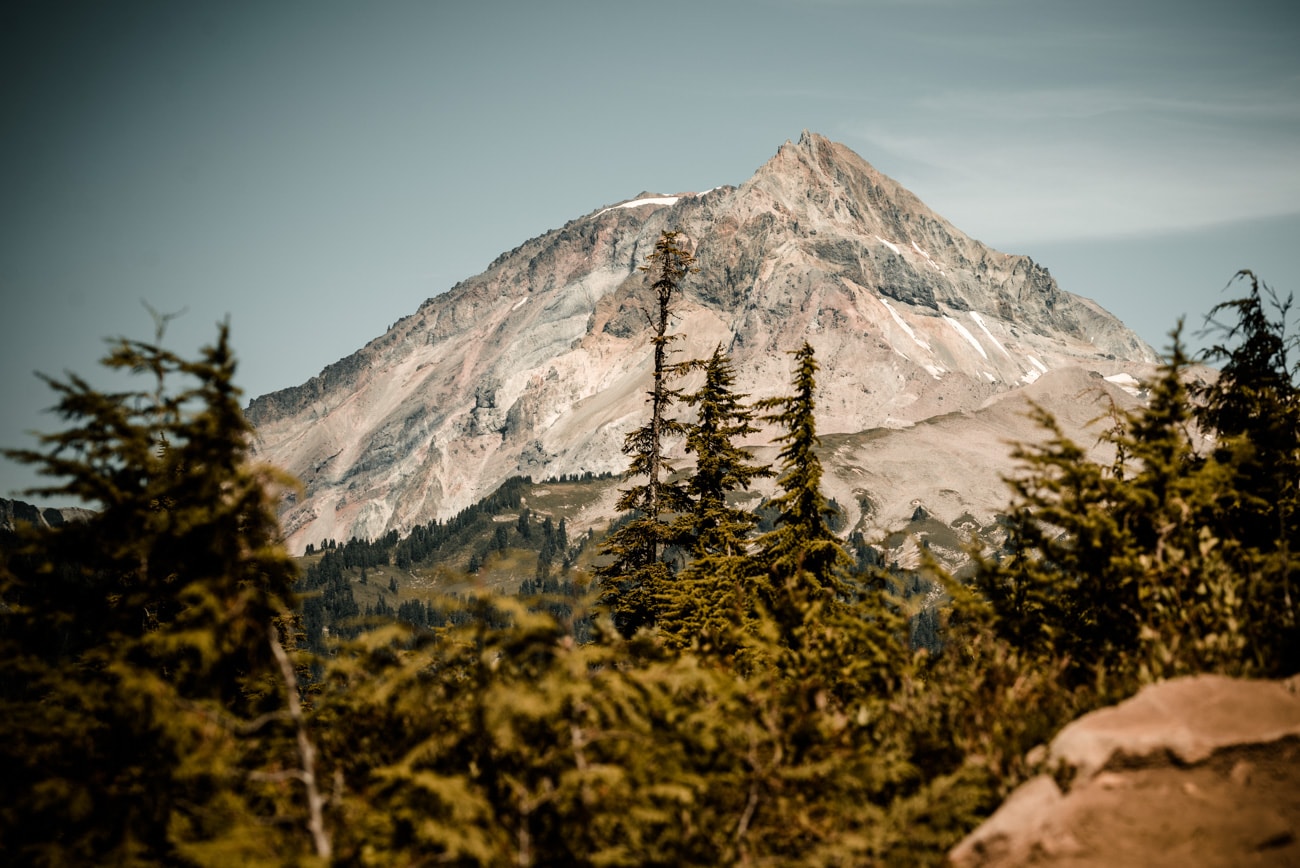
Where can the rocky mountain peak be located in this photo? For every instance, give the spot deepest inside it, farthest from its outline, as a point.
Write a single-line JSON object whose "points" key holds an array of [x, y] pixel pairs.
{"points": [[540, 364], [825, 181]]}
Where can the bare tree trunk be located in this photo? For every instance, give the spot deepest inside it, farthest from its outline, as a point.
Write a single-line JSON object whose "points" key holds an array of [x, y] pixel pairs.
{"points": [[306, 753]]}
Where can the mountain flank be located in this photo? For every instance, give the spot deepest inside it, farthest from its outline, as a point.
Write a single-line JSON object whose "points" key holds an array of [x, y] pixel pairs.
{"points": [[15, 512], [539, 365]]}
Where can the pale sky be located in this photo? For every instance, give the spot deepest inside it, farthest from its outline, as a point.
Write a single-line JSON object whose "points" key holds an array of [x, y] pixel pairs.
{"points": [[314, 170]]}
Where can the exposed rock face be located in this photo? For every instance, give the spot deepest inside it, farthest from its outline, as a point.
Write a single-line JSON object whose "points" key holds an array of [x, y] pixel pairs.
{"points": [[1194, 771], [952, 466], [540, 364], [15, 512]]}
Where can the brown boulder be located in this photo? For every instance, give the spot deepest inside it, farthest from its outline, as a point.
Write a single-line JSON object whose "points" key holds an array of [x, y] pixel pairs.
{"points": [[1199, 771]]}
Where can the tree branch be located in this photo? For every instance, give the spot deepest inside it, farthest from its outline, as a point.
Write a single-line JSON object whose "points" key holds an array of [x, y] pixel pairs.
{"points": [[306, 752]]}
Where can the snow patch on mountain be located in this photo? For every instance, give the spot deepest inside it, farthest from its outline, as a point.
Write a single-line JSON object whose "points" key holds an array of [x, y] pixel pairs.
{"points": [[891, 245], [979, 321], [905, 327], [932, 263], [966, 335], [649, 200], [1127, 382]]}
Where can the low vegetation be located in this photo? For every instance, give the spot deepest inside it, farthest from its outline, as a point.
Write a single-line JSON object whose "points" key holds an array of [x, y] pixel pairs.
{"points": [[169, 694]]}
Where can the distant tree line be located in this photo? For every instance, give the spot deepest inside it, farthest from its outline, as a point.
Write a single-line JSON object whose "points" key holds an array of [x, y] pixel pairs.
{"points": [[329, 608]]}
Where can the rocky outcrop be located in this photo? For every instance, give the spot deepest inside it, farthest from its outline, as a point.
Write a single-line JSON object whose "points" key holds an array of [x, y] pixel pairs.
{"points": [[540, 364], [1198, 771], [16, 512]]}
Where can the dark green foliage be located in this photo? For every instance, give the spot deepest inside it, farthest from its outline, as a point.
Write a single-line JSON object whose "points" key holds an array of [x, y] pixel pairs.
{"points": [[134, 644], [711, 601], [472, 541], [328, 607], [632, 582], [1254, 410], [721, 466], [424, 545], [802, 538], [1161, 563], [1053, 589], [1105, 563]]}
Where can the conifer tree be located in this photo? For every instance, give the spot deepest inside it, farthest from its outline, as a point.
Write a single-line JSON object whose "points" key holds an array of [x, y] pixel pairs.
{"points": [[1188, 614], [1021, 584], [799, 571], [804, 621], [631, 583], [711, 597], [802, 538], [721, 466], [136, 645], [1253, 408], [1119, 571]]}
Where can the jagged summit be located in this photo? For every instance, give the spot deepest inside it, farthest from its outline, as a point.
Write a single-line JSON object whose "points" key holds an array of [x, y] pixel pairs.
{"points": [[539, 364], [851, 189]]}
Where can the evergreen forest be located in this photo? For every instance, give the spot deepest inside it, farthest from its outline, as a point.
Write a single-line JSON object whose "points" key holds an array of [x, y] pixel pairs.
{"points": [[717, 685]]}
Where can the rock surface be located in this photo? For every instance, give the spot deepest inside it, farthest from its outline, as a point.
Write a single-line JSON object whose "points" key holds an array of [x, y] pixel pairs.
{"points": [[15, 512], [1198, 771], [540, 365]]}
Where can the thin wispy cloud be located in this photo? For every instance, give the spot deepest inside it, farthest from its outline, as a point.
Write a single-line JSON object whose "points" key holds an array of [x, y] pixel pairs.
{"points": [[1091, 160], [1094, 102]]}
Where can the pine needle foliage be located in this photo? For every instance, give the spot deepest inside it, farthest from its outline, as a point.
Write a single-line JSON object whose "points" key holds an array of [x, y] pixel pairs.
{"points": [[137, 645], [630, 584], [1155, 565], [802, 539], [713, 594], [721, 466], [1254, 410]]}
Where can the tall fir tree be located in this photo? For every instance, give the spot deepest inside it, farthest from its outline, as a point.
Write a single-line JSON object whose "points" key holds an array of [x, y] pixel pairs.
{"points": [[721, 466], [710, 597], [846, 639], [1253, 408], [631, 583], [803, 538]]}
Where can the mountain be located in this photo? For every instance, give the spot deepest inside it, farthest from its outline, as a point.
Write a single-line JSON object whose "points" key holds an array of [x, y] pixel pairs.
{"points": [[15, 512], [540, 364]]}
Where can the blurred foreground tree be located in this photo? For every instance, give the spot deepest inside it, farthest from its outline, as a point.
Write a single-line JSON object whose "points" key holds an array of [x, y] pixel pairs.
{"points": [[143, 674]]}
